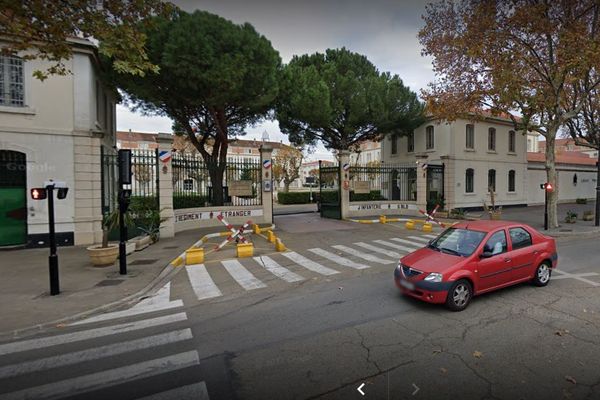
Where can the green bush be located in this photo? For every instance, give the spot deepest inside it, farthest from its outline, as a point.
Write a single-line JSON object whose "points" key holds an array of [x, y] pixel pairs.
{"points": [[293, 197], [373, 195], [143, 202], [329, 196], [188, 201]]}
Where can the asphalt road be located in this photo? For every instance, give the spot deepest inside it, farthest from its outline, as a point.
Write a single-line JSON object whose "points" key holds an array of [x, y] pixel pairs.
{"points": [[325, 335]]}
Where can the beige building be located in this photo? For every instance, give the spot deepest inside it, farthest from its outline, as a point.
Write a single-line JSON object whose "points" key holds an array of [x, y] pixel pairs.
{"points": [[476, 155], [53, 130]]}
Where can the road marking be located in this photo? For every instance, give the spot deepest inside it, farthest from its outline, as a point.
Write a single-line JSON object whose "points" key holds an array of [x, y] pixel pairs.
{"points": [[364, 256], [337, 259], [277, 270], [109, 377], [196, 391], [202, 284], [48, 341], [242, 275], [420, 239], [396, 246], [579, 277], [130, 312], [407, 242], [430, 236], [96, 353], [376, 249], [309, 264]]}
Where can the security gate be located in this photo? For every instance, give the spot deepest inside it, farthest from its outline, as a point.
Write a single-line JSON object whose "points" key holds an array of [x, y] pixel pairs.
{"points": [[435, 186], [13, 199], [329, 192]]}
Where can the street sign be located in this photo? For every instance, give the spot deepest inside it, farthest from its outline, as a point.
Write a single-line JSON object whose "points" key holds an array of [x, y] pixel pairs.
{"points": [[346, 167], [124, 161]]}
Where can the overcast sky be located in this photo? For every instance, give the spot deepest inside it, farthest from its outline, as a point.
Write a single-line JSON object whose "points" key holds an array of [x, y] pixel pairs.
{"points": [[383, 30]]}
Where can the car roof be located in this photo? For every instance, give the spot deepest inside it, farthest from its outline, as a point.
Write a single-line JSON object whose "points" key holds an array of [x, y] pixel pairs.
{"points": [[488, 225]]}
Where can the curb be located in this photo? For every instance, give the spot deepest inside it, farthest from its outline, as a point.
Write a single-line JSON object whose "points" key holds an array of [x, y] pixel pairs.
{"points": [[572, 234]]}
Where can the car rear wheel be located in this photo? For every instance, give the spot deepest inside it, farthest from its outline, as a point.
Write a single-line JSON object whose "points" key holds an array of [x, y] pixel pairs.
{"points": [[542, 274], [459, 295]]}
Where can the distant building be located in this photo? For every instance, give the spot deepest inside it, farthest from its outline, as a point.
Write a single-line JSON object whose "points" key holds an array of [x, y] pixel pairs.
{"points": [[567, 145], [369, 152]]}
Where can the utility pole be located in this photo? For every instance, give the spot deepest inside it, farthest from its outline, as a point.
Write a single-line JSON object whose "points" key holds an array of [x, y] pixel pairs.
{"points": [[124, 162]]}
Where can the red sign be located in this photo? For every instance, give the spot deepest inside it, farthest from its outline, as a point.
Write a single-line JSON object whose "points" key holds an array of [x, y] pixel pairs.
{"points": [[38, 193]]}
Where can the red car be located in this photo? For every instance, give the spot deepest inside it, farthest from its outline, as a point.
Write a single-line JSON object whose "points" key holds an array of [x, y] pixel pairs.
{"points": [[476, 257]]}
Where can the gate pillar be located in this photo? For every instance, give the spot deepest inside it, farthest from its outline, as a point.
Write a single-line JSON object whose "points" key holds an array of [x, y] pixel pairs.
{"points": [[422, 181], [165, 187], [266, 154], [344, 188]]}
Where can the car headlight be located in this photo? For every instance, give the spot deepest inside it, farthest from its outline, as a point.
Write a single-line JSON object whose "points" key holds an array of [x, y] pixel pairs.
{"points": [[434, 277]]}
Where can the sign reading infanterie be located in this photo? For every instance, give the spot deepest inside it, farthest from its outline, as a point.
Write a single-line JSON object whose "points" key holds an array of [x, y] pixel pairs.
{"points": [[191, 216], [362, 187], [382, 206], [240, 188]]}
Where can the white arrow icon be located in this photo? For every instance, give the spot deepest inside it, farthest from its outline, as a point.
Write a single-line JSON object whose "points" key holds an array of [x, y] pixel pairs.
{"points": [[416, 389], [359, 389]]}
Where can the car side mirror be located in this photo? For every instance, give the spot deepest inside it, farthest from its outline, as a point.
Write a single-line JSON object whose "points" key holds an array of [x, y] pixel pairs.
{"points": [[486, 254]]}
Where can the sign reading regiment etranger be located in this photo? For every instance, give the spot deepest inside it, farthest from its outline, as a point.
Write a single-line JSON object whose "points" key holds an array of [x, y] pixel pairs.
{"points": [[191, 216]]}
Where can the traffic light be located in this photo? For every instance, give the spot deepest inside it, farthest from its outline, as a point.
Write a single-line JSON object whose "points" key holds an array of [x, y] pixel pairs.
{"points": [[61, 193], [38, 193], [548, 187]]}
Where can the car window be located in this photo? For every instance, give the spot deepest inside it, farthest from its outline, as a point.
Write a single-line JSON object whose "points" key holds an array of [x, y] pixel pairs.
{"points": [[496, 244], [519, 238], [463, 242]]}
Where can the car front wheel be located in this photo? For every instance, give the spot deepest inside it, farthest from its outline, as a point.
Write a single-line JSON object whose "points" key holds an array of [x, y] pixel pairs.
{"points": [[459, 295], [542, 274]]}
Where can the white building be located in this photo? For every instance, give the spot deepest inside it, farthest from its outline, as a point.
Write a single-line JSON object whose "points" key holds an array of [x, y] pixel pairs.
{"points": [[53, 130]]}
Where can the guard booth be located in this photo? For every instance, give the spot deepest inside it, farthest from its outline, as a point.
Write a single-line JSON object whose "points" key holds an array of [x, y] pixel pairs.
{"points": [[329, 192], [13, 198]]}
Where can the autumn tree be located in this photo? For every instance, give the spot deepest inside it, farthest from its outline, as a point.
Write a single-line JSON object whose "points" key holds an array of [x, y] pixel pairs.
{"points": [[507, 57], [286, 166], [42, 29], [215, 79], [585, 128], [340, 99]]}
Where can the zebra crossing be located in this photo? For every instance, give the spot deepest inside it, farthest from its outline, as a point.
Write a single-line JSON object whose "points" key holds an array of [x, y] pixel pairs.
{"points": [[105, 352], [293, 267]]}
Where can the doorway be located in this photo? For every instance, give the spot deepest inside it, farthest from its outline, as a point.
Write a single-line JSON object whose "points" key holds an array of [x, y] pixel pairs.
{"points": [[13, 199]]}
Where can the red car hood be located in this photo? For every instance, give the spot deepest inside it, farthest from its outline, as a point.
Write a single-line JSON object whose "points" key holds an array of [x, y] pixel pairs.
{"points": [[428, 260]]}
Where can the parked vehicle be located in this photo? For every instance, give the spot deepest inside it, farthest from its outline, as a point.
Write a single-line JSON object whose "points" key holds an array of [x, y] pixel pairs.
{"points": [[476, 257]]}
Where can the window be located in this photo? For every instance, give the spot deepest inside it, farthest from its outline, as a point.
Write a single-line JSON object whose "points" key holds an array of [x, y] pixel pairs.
{"points": [[470, 181], [492, 139], [429, 138], [411, 142], [188, 184], [512, 141], [12, 89], [511, 180], [492, 180], [519, 238], [394, 144], [470, 137], [496, 243]]}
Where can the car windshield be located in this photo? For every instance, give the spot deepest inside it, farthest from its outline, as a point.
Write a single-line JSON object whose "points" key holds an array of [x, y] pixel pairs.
{"points": [[458, 242]]}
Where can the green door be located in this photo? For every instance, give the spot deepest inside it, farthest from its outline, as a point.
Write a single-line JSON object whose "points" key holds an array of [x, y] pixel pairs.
{"points": [[13, 201]]}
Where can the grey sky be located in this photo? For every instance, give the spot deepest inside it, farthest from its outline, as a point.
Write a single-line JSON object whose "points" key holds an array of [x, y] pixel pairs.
{"points": [[383, 30]]}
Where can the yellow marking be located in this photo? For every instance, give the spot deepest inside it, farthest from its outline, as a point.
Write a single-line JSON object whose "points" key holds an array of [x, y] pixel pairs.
{"points": [[245, 250], [178, 262], [194, 256], [279, 246]]}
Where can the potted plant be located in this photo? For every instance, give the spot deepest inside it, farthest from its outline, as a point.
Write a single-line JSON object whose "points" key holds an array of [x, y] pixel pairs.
{"points": [[571, 217], [588, 215], [106, 254], [495, 212]]}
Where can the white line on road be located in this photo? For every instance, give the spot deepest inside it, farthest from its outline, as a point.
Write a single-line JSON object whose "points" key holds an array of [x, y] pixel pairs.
{"points": [[309, 264], [196, 391], [376, 249], [408, 242], [106, 378], [395, 246], [96, 353], [419, 239], [337, 259], [202, 284], [242, 275], [579, 277], [278, 270], [131, 312], [48, 341], [360, 254], [430, 236]]}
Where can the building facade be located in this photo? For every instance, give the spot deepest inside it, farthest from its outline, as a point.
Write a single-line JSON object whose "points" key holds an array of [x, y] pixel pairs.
{"points": [[53, 130]]}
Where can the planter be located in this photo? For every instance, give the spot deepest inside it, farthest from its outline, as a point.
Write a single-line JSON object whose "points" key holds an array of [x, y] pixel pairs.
{"points": [[141, 242], [103, 257], [130, 247], [570, 220], [495, 215], [588, 217]]}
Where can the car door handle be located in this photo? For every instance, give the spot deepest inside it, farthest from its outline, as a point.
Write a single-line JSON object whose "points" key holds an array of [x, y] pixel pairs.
{"points": [[507, 259], [536, 252]]}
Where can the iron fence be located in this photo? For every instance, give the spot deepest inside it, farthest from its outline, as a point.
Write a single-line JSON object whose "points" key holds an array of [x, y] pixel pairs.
{"points": [[193, 186], [384, 182]]}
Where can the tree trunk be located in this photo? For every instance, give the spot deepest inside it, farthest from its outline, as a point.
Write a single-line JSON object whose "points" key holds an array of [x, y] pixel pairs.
{"points": [[286, 186], [597, 216], [216, 171], [551, 178]]}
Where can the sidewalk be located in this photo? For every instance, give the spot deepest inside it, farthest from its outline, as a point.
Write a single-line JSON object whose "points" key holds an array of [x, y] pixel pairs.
{"points": [[24, 287]]}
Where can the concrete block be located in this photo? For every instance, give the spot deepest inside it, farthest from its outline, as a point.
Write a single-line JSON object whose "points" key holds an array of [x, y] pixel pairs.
{"points": [[194, 256], [245, 250]]}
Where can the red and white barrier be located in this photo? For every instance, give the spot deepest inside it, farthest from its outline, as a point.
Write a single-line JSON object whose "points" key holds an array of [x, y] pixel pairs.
{"points": [[235, 233], [431, 217]]}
